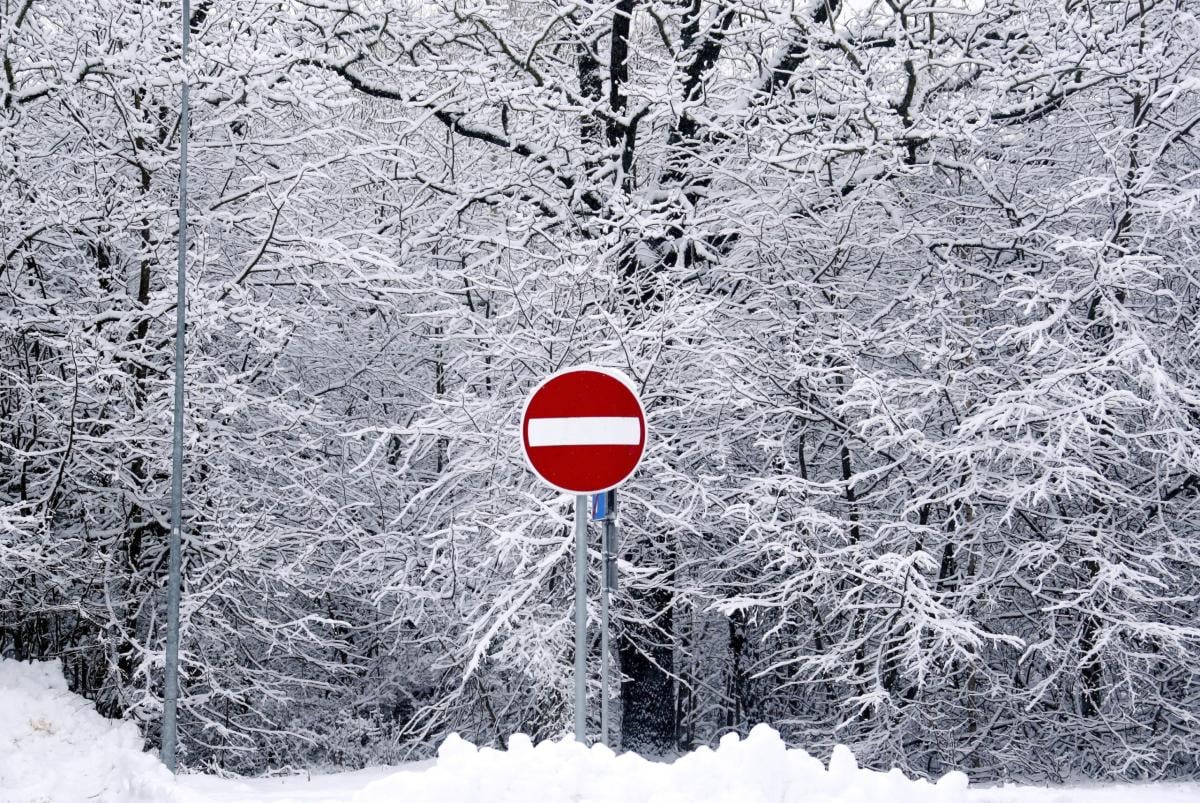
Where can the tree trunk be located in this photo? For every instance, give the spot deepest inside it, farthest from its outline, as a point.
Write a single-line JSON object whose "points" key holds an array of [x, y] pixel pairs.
{"points": [[648, 687]]}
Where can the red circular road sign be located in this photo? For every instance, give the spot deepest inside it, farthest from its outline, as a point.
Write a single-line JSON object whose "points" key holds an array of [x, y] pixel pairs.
{"points": [[583, 430]]}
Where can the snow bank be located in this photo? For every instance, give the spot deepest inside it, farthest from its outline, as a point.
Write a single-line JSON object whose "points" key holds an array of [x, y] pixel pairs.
{"points": [[759, 769], [55, 748]]}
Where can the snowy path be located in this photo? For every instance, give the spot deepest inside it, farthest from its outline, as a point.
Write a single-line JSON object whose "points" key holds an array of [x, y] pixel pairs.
{"points": [[338, 786], [1124, 793], [353, 786]]}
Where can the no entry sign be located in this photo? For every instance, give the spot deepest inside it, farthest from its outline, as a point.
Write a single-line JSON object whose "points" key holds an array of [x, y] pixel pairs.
{"points": [[583, 430]]}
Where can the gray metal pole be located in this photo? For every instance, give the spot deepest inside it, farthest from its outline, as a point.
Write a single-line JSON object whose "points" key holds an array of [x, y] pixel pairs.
{"points": [[604, 639], [608, 552], [171, 669], [581, 517]]}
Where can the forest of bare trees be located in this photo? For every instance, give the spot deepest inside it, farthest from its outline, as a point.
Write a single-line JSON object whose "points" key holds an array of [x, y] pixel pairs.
{"points": [[910, 289]]}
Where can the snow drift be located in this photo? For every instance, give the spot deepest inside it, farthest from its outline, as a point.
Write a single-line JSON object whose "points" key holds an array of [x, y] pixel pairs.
{"points": [[55, 748], [758, 769]]}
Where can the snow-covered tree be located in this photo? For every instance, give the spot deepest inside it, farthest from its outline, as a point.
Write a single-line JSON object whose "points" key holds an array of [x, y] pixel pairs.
{"points": [[909, 289]]}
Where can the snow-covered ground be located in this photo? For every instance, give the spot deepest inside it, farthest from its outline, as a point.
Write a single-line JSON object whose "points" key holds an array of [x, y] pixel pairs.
{"points": [[55, 748]]}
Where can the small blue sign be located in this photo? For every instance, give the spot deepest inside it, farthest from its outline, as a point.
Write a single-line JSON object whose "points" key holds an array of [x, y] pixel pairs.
{"points": [[599, 506]]}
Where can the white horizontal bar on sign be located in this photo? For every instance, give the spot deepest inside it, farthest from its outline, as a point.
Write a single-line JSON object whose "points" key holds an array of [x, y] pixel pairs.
{"points": [[585, 431]]}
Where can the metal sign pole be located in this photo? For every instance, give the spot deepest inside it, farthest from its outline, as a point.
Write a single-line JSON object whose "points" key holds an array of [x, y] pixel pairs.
{"points": [[581, 514], [608, 554], [604, 648], [171, 667]]}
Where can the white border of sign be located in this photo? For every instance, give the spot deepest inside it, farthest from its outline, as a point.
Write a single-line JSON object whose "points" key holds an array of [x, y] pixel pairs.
{"points": [[615, 374]]}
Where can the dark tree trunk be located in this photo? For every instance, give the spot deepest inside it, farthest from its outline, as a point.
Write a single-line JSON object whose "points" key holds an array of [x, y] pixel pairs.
{"points": [[648, 688]]}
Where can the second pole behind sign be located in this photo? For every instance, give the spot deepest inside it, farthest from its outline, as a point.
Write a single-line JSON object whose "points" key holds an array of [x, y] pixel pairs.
{"points": [[583, 431], [608, 553]]}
